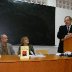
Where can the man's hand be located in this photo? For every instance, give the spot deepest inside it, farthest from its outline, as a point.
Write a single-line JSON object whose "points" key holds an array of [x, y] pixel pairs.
{"points": [[67, 36]]}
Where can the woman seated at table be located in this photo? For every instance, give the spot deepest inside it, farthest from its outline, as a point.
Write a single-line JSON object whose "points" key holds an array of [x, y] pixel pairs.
{"points": [[25, 42]]}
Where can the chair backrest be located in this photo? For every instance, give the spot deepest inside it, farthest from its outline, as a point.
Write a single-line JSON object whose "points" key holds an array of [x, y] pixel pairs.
{"points": [[41, 51]]}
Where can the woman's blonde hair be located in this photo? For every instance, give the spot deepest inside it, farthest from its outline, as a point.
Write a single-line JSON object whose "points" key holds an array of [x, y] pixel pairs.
{"points": [[22, 40]]}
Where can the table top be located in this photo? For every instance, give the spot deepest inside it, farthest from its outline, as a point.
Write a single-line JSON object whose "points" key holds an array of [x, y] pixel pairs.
{"points": [[16, 58]]}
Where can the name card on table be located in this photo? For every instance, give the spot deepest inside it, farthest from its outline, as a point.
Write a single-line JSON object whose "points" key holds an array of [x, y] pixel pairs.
{"points": [[24, 52]]}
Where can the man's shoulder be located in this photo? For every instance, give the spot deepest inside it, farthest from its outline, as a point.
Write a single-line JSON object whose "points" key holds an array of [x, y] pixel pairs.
{"points": [[9, 44], [62, 26], [71, 25]]}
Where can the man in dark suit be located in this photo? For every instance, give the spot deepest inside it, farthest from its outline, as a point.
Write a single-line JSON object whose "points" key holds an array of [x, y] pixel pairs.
{"points": [[64, 32]]}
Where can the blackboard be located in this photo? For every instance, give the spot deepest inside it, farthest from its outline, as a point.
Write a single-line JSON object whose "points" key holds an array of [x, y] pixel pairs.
{"points": [[36, 21]]}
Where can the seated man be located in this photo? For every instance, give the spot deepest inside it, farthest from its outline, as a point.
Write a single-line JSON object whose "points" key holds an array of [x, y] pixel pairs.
{"points": [[5, 48]]}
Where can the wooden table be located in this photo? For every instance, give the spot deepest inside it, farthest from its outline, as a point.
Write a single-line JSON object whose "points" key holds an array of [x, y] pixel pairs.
{"points": [[50, 63]]}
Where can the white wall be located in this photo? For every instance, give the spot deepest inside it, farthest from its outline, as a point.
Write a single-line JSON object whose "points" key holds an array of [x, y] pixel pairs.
{"points": [[59, 20], [51, 3]]}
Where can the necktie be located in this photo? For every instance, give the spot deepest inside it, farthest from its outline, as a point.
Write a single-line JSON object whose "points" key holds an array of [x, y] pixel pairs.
{"points": [[68, 29]]}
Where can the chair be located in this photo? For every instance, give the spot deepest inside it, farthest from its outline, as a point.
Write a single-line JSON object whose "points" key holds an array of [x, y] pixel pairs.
{"points": [[41, 51]]}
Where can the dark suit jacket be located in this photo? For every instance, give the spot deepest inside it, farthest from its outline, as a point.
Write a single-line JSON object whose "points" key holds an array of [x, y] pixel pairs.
{"points": [[31, 49], [61, 34]]}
